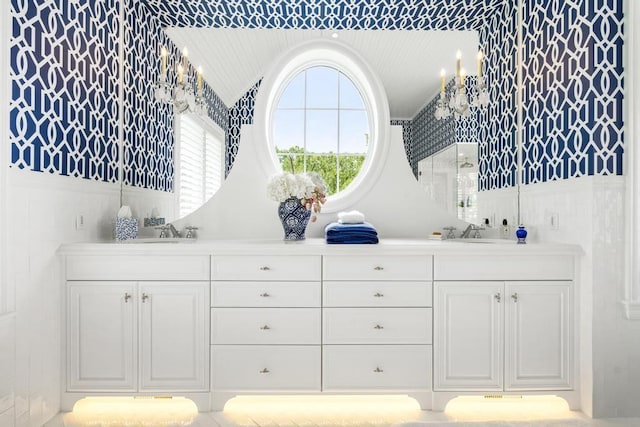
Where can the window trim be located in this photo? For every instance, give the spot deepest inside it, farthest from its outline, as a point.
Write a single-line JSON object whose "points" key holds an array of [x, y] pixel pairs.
{"points": [[341, 57], [209, 126]]}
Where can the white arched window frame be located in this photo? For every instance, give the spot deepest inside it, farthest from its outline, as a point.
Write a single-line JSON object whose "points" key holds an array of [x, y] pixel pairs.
{"points": [[339, 56]]}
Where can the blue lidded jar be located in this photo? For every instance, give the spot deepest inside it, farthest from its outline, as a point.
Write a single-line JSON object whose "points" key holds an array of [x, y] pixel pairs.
{"points": [[521, 234]]}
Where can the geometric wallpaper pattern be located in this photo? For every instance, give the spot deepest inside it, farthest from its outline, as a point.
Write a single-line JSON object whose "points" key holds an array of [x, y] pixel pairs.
{"points": [[240, 114], [429, 135], [573, 89], [64, 114]]}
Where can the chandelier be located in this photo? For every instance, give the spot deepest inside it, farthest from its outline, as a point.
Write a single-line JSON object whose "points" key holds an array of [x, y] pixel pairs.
{"points": [[457, 103], [181, 97]]}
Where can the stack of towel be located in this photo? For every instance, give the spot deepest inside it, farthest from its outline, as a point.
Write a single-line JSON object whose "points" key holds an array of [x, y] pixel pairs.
{"points": [[351, 228]]}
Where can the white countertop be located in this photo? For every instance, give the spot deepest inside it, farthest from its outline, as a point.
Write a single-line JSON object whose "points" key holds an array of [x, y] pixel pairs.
{"points": [[315, 247]]}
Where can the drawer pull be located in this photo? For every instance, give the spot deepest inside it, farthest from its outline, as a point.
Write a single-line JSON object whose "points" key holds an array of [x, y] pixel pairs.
{"points": [[265, 327], [515, 297], [264, 268], [378, 327], [378, 295], [265, 295], [378, 268], [127, 297], [265, 371], [378, 370], [498, 297], [145, 297]]}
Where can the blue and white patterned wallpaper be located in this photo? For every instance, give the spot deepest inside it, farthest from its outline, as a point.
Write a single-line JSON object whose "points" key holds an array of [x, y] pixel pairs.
{"points": [[407, 136], [64, 81], [148, 126], [573, 89], [430, 135], [240, 114]]}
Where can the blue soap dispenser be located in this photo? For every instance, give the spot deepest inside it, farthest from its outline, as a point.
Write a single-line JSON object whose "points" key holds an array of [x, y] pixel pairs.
{"points": [[521, 234]]}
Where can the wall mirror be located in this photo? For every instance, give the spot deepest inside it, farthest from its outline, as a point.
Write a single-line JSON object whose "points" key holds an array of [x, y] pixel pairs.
{"points": [[481, 150]]}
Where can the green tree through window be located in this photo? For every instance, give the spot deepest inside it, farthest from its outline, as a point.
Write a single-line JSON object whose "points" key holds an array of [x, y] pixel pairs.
{"points": [[321, 125]]}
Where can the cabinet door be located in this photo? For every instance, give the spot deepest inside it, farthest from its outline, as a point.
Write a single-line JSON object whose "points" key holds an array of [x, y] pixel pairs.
{"points": [[101, 336], [468, 335], [174, 337], [538, 336]]}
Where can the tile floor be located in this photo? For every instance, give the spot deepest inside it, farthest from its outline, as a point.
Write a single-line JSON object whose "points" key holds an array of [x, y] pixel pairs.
{"points": [[276, 412]]}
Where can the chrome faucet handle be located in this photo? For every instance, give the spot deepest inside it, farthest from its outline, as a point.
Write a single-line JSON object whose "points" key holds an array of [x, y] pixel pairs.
{"points": [[191, 232], [450, 234], [163, 231], [476, 231]]}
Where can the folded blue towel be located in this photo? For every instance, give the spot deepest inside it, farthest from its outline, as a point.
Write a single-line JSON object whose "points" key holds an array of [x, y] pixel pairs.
{"points": [[364, 233]]}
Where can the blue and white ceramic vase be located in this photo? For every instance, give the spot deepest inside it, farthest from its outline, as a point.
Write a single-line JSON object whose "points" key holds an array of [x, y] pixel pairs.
{"points": [[521, 234], [294, 218]]}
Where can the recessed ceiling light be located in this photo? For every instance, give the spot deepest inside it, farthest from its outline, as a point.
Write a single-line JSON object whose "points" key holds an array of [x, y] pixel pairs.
{"points": [[334, 35]]}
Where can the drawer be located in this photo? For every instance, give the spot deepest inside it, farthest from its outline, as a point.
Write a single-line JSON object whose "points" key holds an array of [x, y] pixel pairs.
{"points": [[265, 294], [257, 368], [391, 267], [265, 326], [384, 367], [137, 267], [285, 268], [377, 294], [377, 325], [504, 267]]}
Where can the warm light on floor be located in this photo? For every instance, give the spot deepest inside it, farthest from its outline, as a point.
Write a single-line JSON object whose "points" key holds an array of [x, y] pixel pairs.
{"points": [[512, 408], [132, 411], [321, 410]]}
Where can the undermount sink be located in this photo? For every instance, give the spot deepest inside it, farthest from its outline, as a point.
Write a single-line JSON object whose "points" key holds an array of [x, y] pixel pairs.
{"points": [[484, 241], [158, 240]]}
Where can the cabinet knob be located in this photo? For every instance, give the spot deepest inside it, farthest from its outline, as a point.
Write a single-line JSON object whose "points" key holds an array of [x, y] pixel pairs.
{"points": [[378, 327], [378, 370], [264, 268], [145, 297], [378, 268], [265, 327], [498, 297], [265, 371], [378, 295], [515, 297], [264, 295], [127, 297]]}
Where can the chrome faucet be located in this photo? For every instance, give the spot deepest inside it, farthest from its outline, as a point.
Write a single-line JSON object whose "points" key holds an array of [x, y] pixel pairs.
{"points": [[472, 228], [466, 231], [172, 229]]}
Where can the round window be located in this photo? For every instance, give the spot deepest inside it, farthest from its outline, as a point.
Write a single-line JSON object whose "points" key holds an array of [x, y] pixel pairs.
{"points": [[321, 109], [320, 124]]}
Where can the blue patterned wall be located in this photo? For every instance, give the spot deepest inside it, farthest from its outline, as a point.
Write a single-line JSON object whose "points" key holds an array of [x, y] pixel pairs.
{"points": [[430, 135], [65, 80], [240, 114], [407, 136], [148, 126], [64, 83], [573, 89]]}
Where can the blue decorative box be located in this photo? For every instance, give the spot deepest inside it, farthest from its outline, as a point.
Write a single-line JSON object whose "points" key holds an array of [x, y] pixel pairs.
{"points": [[126, 228]]}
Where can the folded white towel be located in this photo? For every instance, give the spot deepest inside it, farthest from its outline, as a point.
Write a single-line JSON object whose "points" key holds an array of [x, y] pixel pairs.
{"points": [[351, 217]]}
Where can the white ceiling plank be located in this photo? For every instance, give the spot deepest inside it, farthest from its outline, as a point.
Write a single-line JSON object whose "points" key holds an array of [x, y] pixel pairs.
{"points": [[408, 63]]}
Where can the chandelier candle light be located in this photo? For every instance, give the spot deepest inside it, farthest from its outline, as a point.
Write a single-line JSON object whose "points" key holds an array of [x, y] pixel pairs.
{"points": [[457, 103], [181, 97]]}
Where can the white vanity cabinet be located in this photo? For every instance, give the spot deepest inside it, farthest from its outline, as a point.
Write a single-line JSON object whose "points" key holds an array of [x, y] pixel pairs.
{"points": [[377, 326], [126, 334], [504, 335], [265, 325]]}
